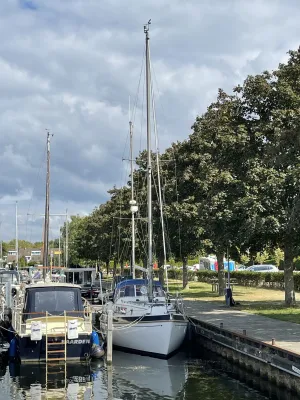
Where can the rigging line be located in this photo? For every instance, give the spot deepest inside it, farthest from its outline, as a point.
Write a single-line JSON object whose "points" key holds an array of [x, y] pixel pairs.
{"points": [[143, 243], [172, 149], [123, 247], [168, 240], [111, 238], [42, 162], [143, 227], [142, 122], [138, 88], [159, 181], [177, 196]]}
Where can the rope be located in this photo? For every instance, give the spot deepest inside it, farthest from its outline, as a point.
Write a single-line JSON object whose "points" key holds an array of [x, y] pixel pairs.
{"points": [[130, 324], [8, 330]]}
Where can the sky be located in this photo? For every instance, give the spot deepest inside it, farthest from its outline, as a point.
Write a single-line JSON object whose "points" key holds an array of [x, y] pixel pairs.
{"points": [[71, 66]]}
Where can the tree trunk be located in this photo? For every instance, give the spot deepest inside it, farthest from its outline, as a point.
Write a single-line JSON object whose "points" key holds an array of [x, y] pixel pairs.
{"points": [[221, 272], [115, 268], [107, 268], [288, 275], [185, 280], [122, 267]]}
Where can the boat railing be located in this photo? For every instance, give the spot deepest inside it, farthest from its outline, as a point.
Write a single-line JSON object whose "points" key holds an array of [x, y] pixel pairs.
{"points": [[179, 304], [19, 316]]}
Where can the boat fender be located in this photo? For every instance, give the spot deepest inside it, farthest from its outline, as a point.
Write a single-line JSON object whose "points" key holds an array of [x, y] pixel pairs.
{"points": [[96, 349], [12, 352], [95, 338]]}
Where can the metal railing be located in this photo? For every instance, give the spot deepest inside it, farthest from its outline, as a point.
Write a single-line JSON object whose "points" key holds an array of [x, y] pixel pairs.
{"points": [[20, 324]]}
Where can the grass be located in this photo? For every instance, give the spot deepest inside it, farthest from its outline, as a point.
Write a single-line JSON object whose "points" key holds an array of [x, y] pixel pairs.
{"points": [[266, 302]]}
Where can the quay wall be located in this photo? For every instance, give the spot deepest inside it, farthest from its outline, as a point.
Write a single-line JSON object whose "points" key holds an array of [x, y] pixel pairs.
{"points": [[274, 364]]}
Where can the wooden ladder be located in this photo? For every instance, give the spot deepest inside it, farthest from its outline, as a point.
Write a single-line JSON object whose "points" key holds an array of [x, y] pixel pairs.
{"points": [[59, 344]]}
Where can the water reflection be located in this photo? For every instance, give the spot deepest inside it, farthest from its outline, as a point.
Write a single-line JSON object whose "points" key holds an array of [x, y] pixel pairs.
{"points": [[133, 377], [148, 378], [61, 381]]}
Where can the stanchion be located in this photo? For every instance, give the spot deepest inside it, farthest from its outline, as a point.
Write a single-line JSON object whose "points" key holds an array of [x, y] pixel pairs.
{"points": [[8, 297], [109, 336]]}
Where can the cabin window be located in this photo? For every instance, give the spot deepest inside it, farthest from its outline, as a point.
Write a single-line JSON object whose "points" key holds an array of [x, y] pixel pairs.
{"points": [[57, 301], [141, 290], [157, 291], [4, 278], [129, 291]]}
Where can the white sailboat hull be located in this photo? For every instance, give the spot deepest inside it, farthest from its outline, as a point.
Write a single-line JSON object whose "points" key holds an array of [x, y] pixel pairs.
{"points": [[157, 337]]}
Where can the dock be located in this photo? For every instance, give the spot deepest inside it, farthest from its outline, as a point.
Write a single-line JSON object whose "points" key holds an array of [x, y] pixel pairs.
{"points": [[266, 346]]}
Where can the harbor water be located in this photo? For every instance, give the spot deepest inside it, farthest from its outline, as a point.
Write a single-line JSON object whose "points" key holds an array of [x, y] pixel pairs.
{"points": [[133, 377]]}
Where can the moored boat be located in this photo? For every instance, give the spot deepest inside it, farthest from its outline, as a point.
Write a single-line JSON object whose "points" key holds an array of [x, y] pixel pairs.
{"points": [[155, 328], [145, 320], [51, 322]]}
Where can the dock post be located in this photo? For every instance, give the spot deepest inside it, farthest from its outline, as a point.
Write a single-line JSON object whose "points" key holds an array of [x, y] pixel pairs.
{"points": [[8, 294], [109, 336], [109, 383]]}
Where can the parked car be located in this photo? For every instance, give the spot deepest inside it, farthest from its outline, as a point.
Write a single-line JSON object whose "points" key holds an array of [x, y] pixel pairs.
{"points": [[263, 268], [242, 268]]}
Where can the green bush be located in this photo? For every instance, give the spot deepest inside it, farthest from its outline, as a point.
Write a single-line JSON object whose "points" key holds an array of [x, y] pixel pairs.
{"points": [[250, 278]]}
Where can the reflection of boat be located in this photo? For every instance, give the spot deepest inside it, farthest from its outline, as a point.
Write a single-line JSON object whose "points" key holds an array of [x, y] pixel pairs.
{"points": [[72, 381], [137, 374]]}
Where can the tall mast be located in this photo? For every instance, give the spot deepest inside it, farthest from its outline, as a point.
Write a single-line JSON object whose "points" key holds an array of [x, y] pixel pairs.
{"points": [[17, 241], [59, 259], [46, 223], [67, 240], [133, 206], [149, 169]]}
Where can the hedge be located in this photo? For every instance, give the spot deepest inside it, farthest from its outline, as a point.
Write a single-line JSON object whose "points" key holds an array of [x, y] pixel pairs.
{"points": [[248, 278]]}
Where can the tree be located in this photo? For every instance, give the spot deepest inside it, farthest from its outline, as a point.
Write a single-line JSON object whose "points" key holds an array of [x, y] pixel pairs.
{"points": [[271, 107], [217, 164]]}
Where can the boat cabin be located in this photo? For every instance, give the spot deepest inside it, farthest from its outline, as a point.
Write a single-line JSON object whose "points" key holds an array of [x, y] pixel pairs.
{"points": [[137, 290], [55, 299], [80, 276], [12, 276]]}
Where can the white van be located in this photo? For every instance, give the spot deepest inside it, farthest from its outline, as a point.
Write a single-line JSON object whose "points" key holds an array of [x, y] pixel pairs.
{"points": [[263, 268]]}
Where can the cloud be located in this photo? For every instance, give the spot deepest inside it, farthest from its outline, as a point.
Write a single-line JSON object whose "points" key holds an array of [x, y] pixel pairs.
{"points": [[70, 66]]}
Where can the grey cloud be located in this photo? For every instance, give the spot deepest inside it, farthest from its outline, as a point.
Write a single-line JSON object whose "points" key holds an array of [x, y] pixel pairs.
{"points": [[70, 66]]}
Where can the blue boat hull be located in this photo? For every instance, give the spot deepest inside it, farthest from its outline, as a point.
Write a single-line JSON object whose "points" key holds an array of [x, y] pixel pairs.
{"points": [[28, 350]]}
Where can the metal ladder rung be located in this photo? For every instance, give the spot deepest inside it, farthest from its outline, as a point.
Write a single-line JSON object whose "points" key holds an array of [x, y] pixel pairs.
{"points": [[56, 343], [56, 335], [54, 373], [55, 351], [63, 341]]}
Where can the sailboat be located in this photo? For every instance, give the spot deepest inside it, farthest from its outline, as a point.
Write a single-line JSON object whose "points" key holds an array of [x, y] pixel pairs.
{"points": [[145, 320], [49, 320]]}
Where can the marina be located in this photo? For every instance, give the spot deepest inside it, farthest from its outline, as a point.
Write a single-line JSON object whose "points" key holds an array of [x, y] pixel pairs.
{"points": [[149, 200]]}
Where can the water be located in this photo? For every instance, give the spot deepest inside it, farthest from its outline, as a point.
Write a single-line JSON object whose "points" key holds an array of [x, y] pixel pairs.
{"points": [[135, 377]]}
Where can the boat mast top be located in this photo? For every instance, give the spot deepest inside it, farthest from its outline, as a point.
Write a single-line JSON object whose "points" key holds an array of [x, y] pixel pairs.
{"points": [[149, 167]]}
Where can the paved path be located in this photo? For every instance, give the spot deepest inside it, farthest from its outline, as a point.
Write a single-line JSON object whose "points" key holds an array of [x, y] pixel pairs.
{"points": [[286, 334]]}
